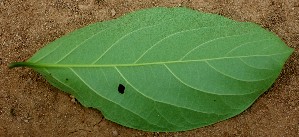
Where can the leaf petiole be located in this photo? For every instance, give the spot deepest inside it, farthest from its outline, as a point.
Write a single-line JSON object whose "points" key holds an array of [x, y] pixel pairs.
{"points": [[20, 64]]}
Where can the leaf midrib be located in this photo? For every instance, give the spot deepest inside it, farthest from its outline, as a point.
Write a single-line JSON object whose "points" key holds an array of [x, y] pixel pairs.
{"points": [[49, 65]]}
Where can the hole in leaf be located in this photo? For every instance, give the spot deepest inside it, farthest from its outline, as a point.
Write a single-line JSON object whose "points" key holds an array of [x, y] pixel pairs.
{"points": [[121, 89]]}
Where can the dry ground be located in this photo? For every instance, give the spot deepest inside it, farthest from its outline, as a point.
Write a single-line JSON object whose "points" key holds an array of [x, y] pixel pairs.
{"points": [[29, 106]]}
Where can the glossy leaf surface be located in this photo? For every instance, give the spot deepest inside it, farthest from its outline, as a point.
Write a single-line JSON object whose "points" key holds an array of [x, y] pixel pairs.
{"points": [[164, 69]]}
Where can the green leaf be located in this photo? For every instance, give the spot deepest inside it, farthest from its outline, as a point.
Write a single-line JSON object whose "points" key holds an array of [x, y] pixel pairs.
{"points": [[164, 69]]}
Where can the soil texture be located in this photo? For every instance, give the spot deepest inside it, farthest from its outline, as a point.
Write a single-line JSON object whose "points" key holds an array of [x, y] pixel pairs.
{"points": [[31, 107]]}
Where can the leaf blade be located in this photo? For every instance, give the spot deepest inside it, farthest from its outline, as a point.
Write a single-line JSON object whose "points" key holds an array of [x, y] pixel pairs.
{"points": [[181, 69]]}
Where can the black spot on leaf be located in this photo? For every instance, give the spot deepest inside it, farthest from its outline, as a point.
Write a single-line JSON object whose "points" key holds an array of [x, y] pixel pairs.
{"points": [[66, 79], [121, 89]]}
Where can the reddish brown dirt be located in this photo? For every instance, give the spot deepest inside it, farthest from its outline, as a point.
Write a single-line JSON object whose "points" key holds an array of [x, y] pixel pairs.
{"points": [[29, 106]]}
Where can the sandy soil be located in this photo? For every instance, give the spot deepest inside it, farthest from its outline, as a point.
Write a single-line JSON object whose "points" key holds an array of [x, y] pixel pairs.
{"points": [[29, 106]]}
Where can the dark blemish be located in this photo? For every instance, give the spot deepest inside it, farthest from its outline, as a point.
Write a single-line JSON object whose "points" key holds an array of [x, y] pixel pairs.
{"points": [[66, 79], [214, 100], [121, 89], [13, 112]]}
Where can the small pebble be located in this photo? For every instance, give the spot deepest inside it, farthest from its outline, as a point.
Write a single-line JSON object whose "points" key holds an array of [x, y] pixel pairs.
{"points": [[113, 12], [73, 99], [115, 133]]}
